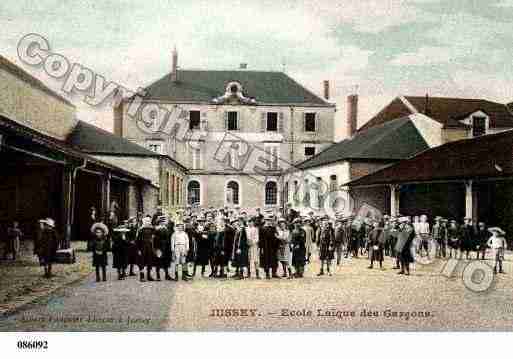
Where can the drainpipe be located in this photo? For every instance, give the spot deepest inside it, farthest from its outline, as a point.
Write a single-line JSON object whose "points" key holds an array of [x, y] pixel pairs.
{"points": [[291, 160]]}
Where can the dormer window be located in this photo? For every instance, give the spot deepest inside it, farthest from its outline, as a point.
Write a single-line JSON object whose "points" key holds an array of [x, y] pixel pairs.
{"points": [[155, 146], [478, 126]]}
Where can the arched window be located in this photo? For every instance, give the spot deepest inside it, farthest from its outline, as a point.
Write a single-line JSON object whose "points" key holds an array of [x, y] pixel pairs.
{"points": [[232, 193], [193, 193], [271, 193]]}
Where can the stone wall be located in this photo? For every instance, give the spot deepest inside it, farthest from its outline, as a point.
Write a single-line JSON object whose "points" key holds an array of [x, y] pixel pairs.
{"points": [[28, 105], [251, 190]]}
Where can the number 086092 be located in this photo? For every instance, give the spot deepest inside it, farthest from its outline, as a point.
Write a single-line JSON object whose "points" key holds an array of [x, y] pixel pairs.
{"points": [[32, 345]]}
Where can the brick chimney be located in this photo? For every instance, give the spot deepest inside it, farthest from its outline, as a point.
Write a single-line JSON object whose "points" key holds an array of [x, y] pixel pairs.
{"points": [[352, 114], [326, 87], [174, 68]]}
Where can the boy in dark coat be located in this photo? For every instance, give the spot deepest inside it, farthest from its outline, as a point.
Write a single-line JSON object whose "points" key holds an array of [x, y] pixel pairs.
{"points": [[405, 238], [467, 238], [204, 248], [298, 248], [376, 245], [120, 251], [46, 247], [100, 247], [481, 240], [132, 247], [145, 239], [240, 249], [269, 245], [326, 245], [162, 247], [220, 257]]}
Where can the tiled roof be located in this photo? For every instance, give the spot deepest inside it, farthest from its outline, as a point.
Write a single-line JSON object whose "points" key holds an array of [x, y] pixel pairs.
{"points": [[393, 140], [94, 140], [205, 85], [480, 157], [448, 111], [25, 76], [18, 130]]}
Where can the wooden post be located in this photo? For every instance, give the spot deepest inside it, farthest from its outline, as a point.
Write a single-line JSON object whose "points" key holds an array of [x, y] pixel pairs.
{"points": [[468, 199], [394, 199], [67, 203], [106, 195]]}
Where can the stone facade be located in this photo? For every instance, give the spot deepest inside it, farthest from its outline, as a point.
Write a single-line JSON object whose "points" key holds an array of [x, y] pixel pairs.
{"points": [[213, 154], [167, 178], [29, 105]]}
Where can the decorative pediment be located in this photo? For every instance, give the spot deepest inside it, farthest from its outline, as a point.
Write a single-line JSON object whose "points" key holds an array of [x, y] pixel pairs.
{"points": [[234, 95]]}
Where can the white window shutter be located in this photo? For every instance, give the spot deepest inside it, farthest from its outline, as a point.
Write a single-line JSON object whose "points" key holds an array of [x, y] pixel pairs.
{"points": [[280, 121], [304, 121], [263, 116], [226, 120], [239, 121], [315, 121]]}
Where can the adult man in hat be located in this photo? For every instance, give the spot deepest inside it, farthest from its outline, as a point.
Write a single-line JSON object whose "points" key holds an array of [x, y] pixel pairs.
{"points": [[453, 235], [357, 234], [403, 248], [269, 245], [220, 251], [46, 249], [340, 237], [376, 244], [259, 218], [162, 247], [229, 235], [298, 240], [498, 244], [203, 247], [145, 239], [180, 247], [467, 238], [424, 233], [438, 233], [326, 245], [158, 213]]}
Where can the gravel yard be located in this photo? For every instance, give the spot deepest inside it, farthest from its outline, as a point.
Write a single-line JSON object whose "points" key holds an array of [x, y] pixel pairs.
{"points": [[354, 298]]}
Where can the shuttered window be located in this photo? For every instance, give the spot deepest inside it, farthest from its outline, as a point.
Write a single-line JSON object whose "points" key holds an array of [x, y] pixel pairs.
{"points": [[310, 124], [232, 121]]}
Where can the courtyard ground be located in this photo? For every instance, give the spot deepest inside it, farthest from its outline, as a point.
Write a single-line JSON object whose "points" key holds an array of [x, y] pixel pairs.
{"points": [[354, 298]]}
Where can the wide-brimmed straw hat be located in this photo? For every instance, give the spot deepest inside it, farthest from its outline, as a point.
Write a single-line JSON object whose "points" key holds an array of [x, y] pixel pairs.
{"points": [[496, 230], [50, 222], [101, 226]]}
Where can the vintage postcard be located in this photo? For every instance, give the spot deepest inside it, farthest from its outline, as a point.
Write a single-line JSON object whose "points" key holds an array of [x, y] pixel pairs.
{"points": [[259, 166]]}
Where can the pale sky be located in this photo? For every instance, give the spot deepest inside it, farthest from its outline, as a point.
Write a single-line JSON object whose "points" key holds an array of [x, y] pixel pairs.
{"points": [[459, 48]]}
